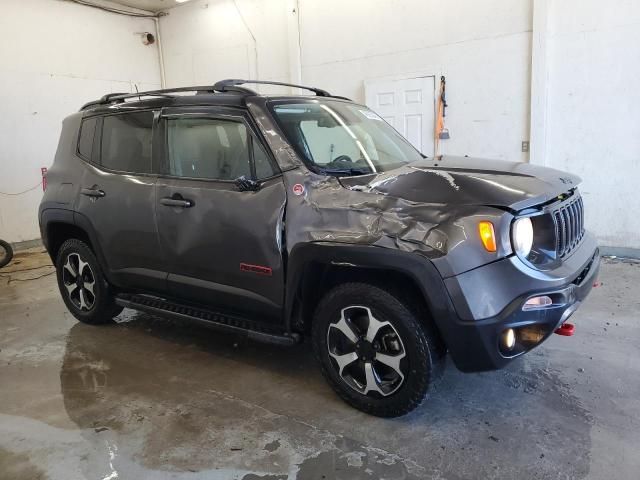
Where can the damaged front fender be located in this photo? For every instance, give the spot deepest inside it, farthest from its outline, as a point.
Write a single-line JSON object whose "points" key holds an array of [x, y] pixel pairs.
{"points": [[323, 210]]}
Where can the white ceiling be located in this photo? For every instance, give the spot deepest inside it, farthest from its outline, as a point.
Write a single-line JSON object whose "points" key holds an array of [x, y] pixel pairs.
{"points": [[150, 5]]}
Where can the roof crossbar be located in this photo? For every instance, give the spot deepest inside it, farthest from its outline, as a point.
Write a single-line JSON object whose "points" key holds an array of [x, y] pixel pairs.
{"points": [[228, 84]]}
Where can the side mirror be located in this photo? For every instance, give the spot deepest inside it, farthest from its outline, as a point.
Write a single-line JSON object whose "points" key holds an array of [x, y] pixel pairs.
{"points": [[245, 184]]}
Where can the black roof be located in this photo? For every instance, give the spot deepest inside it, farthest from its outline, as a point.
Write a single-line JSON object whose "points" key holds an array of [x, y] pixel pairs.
{"points": [[225, 92]]}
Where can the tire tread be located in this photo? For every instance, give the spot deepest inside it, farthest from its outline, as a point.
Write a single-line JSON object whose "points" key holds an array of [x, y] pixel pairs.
{"points": [[106, 309], [425, 343]]}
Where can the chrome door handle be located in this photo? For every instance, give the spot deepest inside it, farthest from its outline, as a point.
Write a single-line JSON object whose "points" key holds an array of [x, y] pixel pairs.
{"points": [[92, 192], [176, 202]]}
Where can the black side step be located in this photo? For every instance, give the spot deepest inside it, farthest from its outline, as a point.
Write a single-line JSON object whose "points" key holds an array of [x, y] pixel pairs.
{"points": [[255, 330]]}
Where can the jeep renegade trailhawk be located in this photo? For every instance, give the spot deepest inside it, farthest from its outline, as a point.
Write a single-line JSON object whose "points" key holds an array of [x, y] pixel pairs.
{"points": [[309, 216]]}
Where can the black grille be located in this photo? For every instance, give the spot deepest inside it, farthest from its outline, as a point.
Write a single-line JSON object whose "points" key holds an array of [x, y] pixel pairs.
{"points": [[569, 220]]}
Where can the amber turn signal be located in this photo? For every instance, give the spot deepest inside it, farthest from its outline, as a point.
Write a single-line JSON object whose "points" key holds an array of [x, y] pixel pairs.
{"points": [[487, 235]]}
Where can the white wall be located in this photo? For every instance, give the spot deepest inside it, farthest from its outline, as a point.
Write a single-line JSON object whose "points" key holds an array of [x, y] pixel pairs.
{"points": [[55, 56], [593, 110], [483, 48], [205, 41]]}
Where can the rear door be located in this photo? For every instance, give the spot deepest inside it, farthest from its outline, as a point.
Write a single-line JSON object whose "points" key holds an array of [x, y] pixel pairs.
{"points": [[117, 197], [221, 238]]}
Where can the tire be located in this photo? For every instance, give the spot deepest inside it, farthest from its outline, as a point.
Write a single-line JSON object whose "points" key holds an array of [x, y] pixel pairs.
{"points": [[412, 354], [6, 253], [88, 299]]}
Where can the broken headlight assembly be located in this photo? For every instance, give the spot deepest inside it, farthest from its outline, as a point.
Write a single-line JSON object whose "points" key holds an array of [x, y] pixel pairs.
{"points": [[533, 240]]}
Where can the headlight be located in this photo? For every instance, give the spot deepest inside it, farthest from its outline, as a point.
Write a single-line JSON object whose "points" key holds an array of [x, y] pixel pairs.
{"points": [[522, 236]]}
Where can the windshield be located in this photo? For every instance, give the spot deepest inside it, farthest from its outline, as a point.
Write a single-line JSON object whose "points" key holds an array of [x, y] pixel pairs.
{"points": [[343, 138]]}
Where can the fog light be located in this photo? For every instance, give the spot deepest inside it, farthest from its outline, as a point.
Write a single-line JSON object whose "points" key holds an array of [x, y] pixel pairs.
{"points": [[537, 302], [508, 339], [531, 335]]}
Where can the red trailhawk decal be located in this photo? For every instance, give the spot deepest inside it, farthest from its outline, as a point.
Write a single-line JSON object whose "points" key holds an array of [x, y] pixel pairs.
{"points": [[259, 269]]}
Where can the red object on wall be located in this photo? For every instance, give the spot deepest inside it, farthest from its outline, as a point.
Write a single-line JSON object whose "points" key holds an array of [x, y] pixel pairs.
{"points": [[43, 171]]}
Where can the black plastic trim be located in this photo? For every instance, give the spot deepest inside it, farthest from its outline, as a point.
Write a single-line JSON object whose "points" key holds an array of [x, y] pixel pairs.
{"points": [[419, 268], [53, 215]]}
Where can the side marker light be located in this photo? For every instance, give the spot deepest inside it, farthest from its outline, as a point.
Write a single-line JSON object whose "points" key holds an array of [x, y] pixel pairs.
{"points": [[487, 235]]}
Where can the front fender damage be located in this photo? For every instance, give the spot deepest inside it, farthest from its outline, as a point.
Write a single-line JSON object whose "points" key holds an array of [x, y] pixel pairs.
{"points": [[328, 212]]}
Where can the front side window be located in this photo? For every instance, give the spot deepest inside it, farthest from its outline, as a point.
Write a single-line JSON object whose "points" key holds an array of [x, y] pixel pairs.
{"points": [[264, 168], [343, 138], [208, 148], [126, 142]]}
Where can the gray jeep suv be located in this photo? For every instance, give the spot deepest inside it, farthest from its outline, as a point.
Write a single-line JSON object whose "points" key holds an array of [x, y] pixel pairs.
{"points": [[309, 216]]}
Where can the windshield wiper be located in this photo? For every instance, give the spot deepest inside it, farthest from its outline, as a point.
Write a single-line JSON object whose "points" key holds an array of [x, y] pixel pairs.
{"points": [[346, 171]]}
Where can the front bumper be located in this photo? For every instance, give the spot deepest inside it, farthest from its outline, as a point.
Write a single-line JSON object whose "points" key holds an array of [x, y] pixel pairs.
{"points": [[488, 300]]}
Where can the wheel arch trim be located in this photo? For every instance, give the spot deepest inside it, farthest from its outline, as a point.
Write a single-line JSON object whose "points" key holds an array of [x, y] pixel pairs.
{"points": [[420, 269], [52, 216]]}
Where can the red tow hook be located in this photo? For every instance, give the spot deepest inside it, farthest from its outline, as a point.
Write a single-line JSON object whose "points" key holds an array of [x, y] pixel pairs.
{"points": [[566, 329]]}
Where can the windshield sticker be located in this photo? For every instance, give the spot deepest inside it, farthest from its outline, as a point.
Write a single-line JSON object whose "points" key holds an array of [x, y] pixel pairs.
{"points": [[370, 115]]}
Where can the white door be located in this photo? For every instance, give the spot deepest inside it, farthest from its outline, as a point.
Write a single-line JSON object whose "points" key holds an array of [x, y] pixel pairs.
{"points": [[409, 106]]}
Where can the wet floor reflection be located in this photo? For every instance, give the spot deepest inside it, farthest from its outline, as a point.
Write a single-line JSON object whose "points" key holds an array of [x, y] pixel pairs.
{"points": [[170, 397], [151, 399], [150, 395]]}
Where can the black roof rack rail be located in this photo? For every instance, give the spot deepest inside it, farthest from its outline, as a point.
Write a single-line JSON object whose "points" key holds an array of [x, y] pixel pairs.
{"points": [[121, 97], [233, 84], [228, 85]]}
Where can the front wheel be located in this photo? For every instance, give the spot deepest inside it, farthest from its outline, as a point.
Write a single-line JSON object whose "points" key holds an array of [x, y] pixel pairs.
{"points": [[6, 253], [373, 350], [82, 285]]}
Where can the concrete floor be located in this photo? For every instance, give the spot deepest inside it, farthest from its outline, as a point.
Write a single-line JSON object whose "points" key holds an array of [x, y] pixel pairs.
{"points": [[151, 399]]}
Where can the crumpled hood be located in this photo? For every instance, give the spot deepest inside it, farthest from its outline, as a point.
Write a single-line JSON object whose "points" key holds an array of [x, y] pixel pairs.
{"points": [[468, 181]]}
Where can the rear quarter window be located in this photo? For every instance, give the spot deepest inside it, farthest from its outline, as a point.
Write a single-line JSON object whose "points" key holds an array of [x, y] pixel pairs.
{"points": [[126, 142], [85, 141]]}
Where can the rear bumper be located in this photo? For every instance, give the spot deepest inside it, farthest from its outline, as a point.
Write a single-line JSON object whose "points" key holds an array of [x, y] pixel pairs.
{"points": [[474, 343]]}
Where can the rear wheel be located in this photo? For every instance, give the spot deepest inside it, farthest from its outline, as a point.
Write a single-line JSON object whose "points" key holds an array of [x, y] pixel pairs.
{"points": [[373, 350], [82, 285], [6, 253]]}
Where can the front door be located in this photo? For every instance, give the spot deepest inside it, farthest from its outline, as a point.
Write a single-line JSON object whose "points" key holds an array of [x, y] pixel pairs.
{"points": [[221, 236], [409, 106]]}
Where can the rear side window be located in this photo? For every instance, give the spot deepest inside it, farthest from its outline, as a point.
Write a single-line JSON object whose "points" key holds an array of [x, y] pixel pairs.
{"points": [[208, 148], [87, 132], [126, 142]]}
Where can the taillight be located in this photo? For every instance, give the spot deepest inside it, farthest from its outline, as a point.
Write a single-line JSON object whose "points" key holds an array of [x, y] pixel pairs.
{"points": [[43, 172]]}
